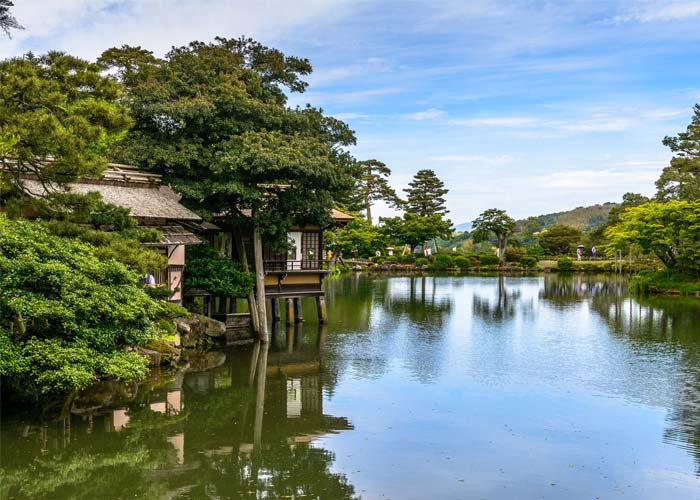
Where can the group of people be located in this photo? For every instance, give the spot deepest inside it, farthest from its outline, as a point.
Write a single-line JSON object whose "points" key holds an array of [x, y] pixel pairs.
{"points": [[579, 252]]}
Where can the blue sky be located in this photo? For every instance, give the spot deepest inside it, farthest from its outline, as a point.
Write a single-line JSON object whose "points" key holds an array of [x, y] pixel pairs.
{"points": [[525, 105]]}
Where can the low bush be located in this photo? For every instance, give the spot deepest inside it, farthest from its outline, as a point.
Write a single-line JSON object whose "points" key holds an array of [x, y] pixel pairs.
{"points": [[528, 261], [462, 262], [515, 254], [565, 264], [488, 260], [442, 261], [422, 261]]}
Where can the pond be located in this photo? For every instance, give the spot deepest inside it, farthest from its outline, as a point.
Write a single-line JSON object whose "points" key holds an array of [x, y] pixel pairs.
{"points": [[419, 387]]}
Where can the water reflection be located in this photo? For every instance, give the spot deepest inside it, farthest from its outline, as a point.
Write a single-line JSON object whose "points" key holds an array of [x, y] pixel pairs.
{"points": [[461, 379], [237, 424]]}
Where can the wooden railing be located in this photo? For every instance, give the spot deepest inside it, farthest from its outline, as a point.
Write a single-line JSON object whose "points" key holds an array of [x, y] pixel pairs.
{"points": [[293, 265]]}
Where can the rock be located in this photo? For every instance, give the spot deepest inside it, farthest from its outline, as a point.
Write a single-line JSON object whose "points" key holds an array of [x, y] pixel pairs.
{"points": [[198, 361], [194, 328]]}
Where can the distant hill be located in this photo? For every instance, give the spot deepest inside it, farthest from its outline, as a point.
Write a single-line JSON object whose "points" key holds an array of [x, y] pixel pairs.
{"points": [[583, 218]]}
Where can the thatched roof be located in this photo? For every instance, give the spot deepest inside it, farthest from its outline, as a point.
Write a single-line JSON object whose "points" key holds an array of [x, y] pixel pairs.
{"points": [[148, 201]]}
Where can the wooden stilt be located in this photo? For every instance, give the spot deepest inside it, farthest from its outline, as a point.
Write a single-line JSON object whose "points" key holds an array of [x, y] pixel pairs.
{"points": [[290, 311], [322, 331], [260, 287], [275, 303], [252, 306], [260, 398], [290, 337], [321, 309], [298, 313]]}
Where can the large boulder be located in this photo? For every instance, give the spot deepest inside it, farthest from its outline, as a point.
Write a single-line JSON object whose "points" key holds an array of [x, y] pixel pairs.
{"points": [[196, 327]]}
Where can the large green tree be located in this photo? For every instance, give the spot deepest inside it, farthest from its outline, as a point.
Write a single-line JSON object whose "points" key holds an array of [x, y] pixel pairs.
{"points": [[373, 185], [359, 235], [681, 179], [426, 195], [559, 239], [58, 118], [212, 119], [670, 230], [413, 229], [497, 223]]}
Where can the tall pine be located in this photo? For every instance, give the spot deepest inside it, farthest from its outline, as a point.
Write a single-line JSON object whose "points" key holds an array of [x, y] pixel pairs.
{"points": [[373, 185], [425, 197]]}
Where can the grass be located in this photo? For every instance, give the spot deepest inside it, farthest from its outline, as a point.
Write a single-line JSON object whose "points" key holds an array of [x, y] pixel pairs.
{"points": [[665, 282]]}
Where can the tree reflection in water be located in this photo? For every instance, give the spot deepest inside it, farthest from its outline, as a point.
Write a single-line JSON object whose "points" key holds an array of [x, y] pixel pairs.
{"points": [[240, 424]]}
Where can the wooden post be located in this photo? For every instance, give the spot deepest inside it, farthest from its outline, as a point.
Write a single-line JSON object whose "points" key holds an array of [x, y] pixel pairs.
{"points": [[290, 337], [321, 309], [275, 303], [289, 310], [260, 286], [298, 313], [321, 340], [260, 398], [252, 306]]}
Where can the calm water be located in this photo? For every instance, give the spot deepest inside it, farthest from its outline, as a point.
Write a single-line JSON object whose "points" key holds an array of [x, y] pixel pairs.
{"points": [[436, 387]]}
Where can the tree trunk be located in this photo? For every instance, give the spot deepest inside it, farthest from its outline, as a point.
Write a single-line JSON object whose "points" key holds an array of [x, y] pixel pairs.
{"points": [[252, 306], [260, 287]]}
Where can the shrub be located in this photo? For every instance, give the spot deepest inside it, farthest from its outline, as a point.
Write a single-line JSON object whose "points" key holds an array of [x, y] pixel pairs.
{"points": [[462, 262], [442, 261], [208, 270], [393, 259], [528, 262], [378, 260], [66, 313], [488, 260], [565, 264], [408, 258], [422, 261], [514, 254]]}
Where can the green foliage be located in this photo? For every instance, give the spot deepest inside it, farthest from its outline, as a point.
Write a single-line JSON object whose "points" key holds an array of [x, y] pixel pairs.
{"points": [[426, 195], [528, 261], [413, 229], [681, 179], [663, 282], [488, 259], [670, 231], [65, 312], [560, 240], [372, 185], [515, 254], [442, 261], [7, 20], [208, 270], [494, 222], [58, 118], [422, 261], [565, 264], [212, 119], [358, 235], [121, 246], [462, 262]]}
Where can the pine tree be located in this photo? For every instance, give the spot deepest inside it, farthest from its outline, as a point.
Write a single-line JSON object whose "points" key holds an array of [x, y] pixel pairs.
{"points": [[426, 195], [373, 185], [681, 179], [7, 20]]}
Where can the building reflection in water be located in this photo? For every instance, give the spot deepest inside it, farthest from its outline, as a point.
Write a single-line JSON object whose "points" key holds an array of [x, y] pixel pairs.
{"points": [[236, 424]]}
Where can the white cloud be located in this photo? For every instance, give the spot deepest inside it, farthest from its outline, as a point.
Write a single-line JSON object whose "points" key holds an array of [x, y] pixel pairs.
{"points": [[87, 27], [589, 179], [661, 12], [504, 121], [428, 114], [499, 159]]}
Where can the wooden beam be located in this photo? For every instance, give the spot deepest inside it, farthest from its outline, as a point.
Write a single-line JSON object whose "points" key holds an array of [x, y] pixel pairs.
{"points": [[290, 310], [260, 286], [275, 303]]}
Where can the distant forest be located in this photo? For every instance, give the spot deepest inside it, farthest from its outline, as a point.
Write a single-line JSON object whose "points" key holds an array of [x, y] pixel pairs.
{"points": [[585, 219]]}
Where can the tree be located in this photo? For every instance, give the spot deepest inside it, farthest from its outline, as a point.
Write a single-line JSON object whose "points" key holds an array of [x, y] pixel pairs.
{"points": [[212, 119], [560, 239], [358, 235], [372, 185], [670, 230], [209, 271], [58, 118], [497, 223], [425, 197], [7, 20], [66, 313], [413, 229], [681, 179]]}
